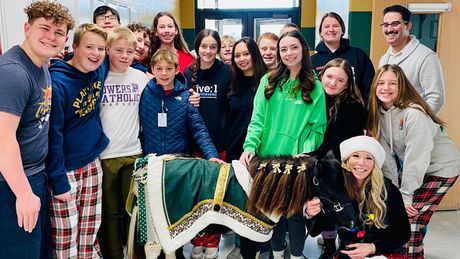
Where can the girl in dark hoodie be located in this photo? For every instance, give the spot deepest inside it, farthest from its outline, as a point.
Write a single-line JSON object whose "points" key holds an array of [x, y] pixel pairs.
{"points": [[333, 45]]}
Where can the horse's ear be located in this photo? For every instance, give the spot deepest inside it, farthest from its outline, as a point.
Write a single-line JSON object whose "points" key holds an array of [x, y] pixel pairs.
{"points": [[329, 156]]}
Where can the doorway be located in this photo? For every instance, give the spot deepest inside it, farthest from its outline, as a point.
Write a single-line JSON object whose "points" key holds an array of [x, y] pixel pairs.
{"points": [[245, 22]]}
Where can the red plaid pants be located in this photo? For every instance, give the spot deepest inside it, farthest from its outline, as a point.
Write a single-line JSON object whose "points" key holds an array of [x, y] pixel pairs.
{"points": [[75, 224], [426, 200]]}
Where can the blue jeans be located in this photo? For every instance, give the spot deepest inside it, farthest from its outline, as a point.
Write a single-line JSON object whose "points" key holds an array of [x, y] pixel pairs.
{"points": [[15, 242]]}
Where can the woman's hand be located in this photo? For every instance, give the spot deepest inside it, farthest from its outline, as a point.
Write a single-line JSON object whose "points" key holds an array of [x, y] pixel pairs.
{"points": [[245, 158], [359, 250], [301, 155], [313, 207], [216, 160], [411, 211]]}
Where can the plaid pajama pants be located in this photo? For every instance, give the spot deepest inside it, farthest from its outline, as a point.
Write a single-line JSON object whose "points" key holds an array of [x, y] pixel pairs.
{"points": [[75, 224], [426, 200]]}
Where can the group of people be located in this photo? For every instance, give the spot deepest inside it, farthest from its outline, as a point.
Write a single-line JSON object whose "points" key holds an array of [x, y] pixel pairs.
{"points": [[73, 127]]}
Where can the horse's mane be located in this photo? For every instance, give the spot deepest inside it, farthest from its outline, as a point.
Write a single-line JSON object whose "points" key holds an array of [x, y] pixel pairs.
{"points": [[280, 184]]}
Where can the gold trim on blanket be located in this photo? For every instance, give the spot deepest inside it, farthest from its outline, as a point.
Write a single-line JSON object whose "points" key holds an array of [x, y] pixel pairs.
{"points": [[221, 187], [227, 209]]}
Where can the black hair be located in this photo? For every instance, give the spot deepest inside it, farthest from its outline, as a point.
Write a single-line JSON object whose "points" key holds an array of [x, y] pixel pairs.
{"points": [[405, 13], [103, 9]]}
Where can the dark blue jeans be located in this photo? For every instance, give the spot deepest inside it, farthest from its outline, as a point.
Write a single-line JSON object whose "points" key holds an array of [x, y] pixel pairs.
{"points": [[15, 242]]}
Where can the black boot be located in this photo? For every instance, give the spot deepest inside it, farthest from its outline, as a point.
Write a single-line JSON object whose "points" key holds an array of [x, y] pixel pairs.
{"points": [[329, 248]]}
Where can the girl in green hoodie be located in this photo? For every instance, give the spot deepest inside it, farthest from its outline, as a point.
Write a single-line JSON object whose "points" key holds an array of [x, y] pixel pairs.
{"points": [[289, 118]]}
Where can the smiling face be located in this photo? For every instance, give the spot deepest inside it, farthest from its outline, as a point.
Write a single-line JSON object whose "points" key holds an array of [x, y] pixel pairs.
{"points": [[164, 73], [267, 49], [226, 51], [90, 52], [207, 51], [107, 21], [145, 53], [44, 39], [166, 30], [396, 32], [121, 55], [140, 45], [387, 89], [361, 164], [243, 59], [331, 32], [291, 52], [335, 81]]}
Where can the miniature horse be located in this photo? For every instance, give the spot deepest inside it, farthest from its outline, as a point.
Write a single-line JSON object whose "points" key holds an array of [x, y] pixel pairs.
{"points": [[178, 197]]}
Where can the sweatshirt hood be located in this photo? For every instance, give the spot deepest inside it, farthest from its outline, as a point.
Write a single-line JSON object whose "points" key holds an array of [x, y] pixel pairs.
{"points": [[344, 46], [69, 71]]}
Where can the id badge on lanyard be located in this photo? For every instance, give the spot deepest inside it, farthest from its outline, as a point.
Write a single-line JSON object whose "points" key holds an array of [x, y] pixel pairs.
{"points": [[163, 117]]}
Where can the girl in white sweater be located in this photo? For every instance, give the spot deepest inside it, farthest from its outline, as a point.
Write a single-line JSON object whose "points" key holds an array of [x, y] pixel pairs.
{"points": [[421, 159]]}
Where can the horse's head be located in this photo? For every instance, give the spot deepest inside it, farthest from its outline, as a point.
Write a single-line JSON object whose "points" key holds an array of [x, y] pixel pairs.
{"points": [[327, 184]]}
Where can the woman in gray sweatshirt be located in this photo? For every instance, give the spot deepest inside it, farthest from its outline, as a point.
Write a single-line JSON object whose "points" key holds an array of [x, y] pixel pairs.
{"points": [[421, 159]]}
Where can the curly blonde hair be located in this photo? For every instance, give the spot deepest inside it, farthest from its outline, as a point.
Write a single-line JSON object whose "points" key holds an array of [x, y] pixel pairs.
{"points": [[50, 10]]}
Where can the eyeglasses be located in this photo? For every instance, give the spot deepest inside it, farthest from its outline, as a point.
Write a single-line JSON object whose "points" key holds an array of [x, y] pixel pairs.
{"points": [[394, 24], [111, 17]]}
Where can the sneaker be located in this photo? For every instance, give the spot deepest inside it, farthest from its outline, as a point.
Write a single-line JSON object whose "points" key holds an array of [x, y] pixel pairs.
{"points": [[197, 252], [211, 253]]}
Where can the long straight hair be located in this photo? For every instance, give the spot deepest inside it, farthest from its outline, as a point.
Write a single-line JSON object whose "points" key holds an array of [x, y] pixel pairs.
{"points": [[179, 42], [258, 66], [199, 38], [351, 92], [407, 97], [281, 73]]}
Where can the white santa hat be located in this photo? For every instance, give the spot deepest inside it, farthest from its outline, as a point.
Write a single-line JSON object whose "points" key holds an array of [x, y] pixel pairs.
{"points": [[362, 143]]}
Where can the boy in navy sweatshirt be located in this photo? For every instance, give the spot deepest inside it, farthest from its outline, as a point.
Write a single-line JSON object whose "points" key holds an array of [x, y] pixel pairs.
{"points": [[75, 141]]}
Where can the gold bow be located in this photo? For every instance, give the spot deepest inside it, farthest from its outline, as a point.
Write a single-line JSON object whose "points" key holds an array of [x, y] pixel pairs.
{"points": [[276, 168], [288, 168], [302, 168], [262, 166]]}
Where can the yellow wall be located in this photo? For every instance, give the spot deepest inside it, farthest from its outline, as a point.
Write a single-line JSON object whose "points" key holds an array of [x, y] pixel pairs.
{"points": [[308, 15], [187, 14], [360, 5]]}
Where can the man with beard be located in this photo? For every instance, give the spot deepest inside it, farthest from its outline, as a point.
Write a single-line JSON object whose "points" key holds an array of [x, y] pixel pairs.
{"points": [[420, 64]]}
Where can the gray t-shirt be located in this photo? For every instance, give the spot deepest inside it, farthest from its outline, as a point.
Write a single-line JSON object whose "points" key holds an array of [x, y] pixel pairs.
{"points": [[25, 91]]}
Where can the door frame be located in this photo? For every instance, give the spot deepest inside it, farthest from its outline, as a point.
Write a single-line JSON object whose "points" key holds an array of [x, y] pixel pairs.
{"points": [[246, 15]]}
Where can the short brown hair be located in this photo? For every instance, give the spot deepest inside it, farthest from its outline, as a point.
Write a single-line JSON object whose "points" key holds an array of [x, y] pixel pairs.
{"points": [[137, 27], [50, 10], [166, 55], [87, 27]]}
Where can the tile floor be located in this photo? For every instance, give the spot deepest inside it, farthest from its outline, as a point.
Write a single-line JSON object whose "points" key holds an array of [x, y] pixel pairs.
{"points": [[441, 242]]}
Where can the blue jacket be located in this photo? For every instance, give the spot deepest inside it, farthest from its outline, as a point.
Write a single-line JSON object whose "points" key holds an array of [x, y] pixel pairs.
{"points": [[183, 120], [76, 137]]}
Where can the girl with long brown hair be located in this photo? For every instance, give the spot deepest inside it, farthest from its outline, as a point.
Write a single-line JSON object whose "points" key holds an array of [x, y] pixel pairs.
{"points": [[289, 118]]}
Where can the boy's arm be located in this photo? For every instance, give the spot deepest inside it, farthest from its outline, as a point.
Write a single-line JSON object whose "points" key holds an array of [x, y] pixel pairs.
{"points": [[200, 133], [27, 203], [55, 163]]}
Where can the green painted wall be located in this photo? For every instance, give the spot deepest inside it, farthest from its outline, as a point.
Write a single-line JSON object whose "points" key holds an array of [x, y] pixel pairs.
{"points": [[309, 34], [359, 30], [189, 37]]}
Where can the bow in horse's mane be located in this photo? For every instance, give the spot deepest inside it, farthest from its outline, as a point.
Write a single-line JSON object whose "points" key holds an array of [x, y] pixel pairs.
{"points": [[179, 197]]}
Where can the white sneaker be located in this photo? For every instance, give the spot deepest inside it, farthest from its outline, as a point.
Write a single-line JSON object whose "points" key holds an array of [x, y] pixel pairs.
{"points": [[278, 254], [211, 253], [197, 252]]}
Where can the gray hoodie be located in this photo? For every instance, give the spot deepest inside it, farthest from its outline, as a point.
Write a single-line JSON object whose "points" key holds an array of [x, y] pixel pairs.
{"points": [[421, 144], [423, 69]]}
